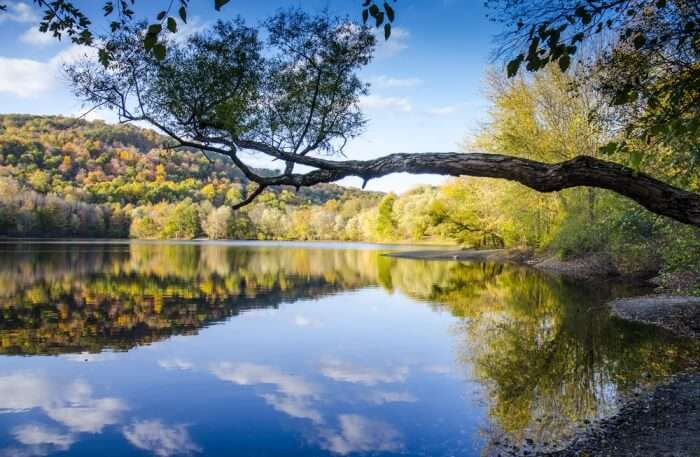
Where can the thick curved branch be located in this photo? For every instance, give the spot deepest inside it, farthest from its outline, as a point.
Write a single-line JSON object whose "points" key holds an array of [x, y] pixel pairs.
{"points": [[250, 198], [655, 195]]}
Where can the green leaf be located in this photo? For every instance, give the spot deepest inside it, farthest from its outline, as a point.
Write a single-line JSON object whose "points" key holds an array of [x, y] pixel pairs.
{"points": [[154, 29], [172, 25], [379, 19], [661, 3], [104, 57], [162, 15], [636, 159], [608, 149], [149, 41], [639, 41], [564, 62], [183, 14], [514, 65], [365, 15], [159, 51], [218, 4], [389, 11], [387, 31]]}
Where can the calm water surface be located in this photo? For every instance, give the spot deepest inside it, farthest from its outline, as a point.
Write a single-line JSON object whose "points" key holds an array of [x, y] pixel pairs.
{"points": [[263, 349]]}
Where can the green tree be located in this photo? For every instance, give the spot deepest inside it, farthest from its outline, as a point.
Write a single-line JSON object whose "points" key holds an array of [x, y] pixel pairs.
{"points": [[386, 224], [183, 222]]}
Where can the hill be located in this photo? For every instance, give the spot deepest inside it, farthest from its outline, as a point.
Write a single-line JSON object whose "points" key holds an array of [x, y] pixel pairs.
{"points": [[62, 176]]}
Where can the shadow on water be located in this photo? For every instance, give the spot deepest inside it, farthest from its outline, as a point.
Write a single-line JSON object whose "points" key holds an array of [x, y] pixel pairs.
{"points": [[546, 350]]}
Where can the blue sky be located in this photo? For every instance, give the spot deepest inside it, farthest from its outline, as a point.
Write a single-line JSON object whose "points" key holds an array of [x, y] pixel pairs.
{"points": [[427, 81]]}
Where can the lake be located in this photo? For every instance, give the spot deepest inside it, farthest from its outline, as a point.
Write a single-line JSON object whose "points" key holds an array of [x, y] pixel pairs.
{"points": [[304, 349]]}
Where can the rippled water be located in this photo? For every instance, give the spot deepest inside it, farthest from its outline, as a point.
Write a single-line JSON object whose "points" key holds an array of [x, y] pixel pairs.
{"points": [[263, 349]]}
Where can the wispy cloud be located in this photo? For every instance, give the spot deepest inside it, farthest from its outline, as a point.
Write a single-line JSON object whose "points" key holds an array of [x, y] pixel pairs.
{"points": [[19, 12], [394, 45], [401, 104], [305, 321], [293, 394], [36, 38], [89, 357], [360, 434], [175, 364], [380, 397], [162, 440], [29, 78], [444, 110], [339, 370], [72, 405], [389, 82]]}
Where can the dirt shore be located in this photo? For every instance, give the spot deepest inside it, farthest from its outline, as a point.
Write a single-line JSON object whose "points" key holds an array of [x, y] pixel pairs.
{"points": [[680, 315], [454, 254], [587, 268]]}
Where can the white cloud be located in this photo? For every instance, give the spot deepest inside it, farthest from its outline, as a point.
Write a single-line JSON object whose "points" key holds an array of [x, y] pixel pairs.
{"points": [[304, 321], [89, 416], [294, 395], [30, 78], [89, 357], [36, 38], [394, 45], [378, 102], [380, 397], [438, 369], [19, 12], [25, 77], [21, 392], [176, 364], [443, 110], [338, 370], [162, 440], [298, 407], [389, 82], [194, 25], [360, 434], [73, 404], [35, 435]]}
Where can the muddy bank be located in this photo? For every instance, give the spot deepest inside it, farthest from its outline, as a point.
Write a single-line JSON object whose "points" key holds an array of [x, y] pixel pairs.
{"points": [[664, 422], [595, 266], [453, 254], [494, 255], [590, 267], [680, 315]]}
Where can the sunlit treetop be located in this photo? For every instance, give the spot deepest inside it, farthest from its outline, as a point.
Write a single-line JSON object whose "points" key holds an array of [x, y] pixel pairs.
{"points": [[646, 55]]}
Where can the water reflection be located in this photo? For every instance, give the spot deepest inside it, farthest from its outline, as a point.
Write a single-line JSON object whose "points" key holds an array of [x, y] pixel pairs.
{"points": [[354, 373], [73, 406], [159, 439]]}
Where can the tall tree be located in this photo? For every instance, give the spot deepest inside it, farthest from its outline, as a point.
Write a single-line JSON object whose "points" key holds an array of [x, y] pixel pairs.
{"points": [[294, 97]]}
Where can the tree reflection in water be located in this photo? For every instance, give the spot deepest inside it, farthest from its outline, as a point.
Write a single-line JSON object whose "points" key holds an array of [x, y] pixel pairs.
{"points": [[546, 349]]}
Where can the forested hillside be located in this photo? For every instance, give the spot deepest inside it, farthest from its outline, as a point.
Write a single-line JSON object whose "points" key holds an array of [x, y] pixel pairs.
{"points": [[67, 177]]}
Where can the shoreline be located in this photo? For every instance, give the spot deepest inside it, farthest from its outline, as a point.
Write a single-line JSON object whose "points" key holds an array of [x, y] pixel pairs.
{"points": [[662, 421], [666, 419]]}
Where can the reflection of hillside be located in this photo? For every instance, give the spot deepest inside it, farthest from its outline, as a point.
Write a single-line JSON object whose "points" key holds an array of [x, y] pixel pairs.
{"points": [[547, 352], [56, 301]]}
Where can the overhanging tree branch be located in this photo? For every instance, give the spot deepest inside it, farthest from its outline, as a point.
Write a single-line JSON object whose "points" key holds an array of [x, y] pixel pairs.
{"points": [[649, 192]]}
